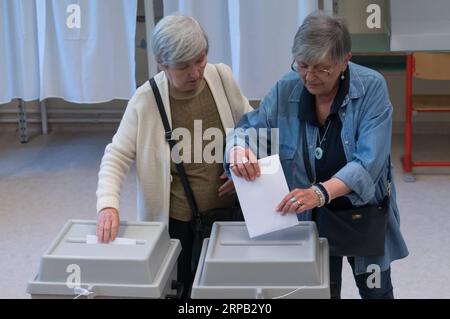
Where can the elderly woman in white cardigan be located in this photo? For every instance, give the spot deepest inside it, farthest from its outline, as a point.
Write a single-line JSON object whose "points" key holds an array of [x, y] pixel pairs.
{"points": [[197, 97]]}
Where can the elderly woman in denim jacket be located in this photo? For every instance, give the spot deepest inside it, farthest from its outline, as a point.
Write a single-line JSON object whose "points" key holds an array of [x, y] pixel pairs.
{"points": [[347, 113]]}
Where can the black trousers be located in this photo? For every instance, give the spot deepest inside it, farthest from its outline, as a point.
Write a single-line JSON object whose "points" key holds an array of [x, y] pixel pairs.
{"points": [[185, 274]]}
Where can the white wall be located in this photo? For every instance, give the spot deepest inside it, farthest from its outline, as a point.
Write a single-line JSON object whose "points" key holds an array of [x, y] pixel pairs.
{"points": [[420, 25]]}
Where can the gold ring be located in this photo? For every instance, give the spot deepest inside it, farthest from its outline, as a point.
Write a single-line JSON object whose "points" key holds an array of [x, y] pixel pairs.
{"points": [[300, 204]]}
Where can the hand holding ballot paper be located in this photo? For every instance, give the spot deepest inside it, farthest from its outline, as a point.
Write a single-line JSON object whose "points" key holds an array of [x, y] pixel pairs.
{"points": [[259, 198]]}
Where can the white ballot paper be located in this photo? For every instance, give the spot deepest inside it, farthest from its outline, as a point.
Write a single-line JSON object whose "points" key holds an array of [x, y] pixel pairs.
{"points": [[92, 239], [259, 198]]}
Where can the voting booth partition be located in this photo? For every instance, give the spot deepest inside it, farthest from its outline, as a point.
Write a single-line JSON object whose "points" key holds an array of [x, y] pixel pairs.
{"points": [[144, 266]]}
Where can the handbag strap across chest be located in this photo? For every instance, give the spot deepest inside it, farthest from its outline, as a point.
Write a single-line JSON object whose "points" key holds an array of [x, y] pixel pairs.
{"points": [[179, 165]]}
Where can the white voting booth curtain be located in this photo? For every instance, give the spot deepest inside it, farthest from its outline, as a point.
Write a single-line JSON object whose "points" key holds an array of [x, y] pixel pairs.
{"points": [[83, 54], [86, 51], [254, 37], [19, 67]]}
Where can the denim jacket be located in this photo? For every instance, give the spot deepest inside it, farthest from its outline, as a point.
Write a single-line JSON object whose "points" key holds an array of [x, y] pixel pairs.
{"points": [[366, 116]]}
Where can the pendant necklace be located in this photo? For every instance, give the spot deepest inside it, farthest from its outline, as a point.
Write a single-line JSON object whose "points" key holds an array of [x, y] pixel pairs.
{"points": [[318, 152]]}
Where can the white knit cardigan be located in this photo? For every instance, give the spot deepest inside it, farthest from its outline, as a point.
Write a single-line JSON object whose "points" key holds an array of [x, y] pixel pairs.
{"points": [[140, 138]]}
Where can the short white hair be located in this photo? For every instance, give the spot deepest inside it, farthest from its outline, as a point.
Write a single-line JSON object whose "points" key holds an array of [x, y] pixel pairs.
{"points": [[178, 38], [321, 36]]}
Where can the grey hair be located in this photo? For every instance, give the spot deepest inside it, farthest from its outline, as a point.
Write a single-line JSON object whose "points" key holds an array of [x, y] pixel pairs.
{"points": [[178, 38], [321, 36]]}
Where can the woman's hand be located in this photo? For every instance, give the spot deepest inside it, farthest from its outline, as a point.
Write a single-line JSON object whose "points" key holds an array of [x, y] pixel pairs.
{"points": [[244, 163], [227, 188], [108, 224], [298, 201]]}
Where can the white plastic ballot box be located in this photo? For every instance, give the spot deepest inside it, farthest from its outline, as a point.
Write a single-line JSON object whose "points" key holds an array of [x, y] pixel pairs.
{"points": [[141, 265], [291, 263]]}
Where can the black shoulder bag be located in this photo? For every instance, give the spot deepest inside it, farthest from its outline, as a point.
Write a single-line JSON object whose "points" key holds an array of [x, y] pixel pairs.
{"points": [[358, 231], [201, 223]]}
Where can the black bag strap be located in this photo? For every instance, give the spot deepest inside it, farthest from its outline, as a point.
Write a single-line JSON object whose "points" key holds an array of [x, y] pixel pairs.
{"points": [[308, 166], [172, 144]]}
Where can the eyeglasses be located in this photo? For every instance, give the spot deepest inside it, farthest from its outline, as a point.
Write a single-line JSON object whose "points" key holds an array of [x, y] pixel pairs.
{"points": [[302, 69]]}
